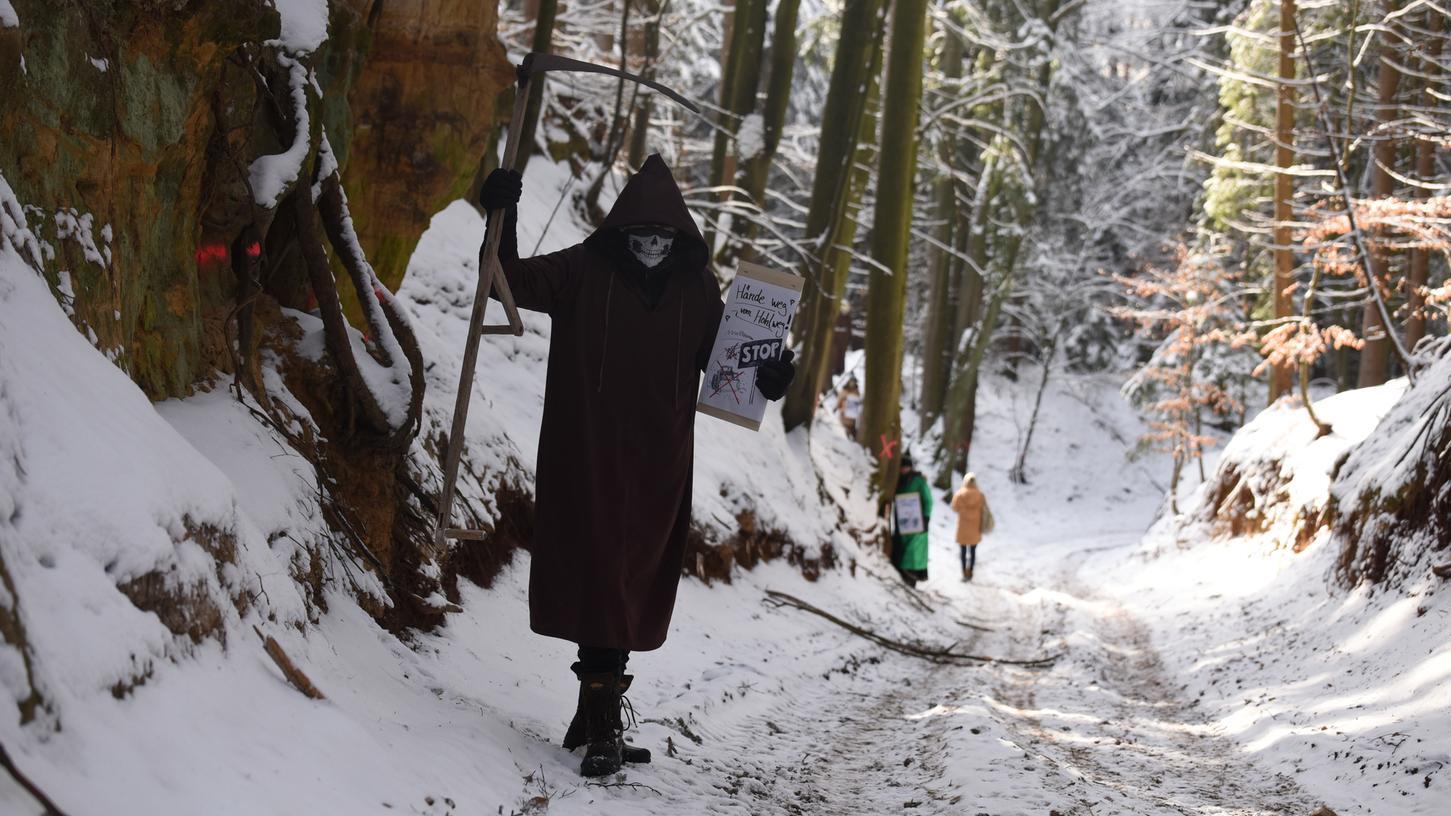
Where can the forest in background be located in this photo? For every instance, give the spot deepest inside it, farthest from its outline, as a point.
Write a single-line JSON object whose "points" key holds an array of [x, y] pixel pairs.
{"points": [[1237, 201], [1020, 171]]}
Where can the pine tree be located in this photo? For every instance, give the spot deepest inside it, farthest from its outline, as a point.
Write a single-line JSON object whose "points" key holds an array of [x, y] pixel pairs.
{"points": [[1375, 354], [891, 224], [1284, 185], [857, 54], [936, 341], [773, 115]]}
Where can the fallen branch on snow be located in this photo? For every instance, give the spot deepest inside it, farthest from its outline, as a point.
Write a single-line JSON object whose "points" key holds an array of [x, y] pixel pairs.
{"points": [[979, 627], [923, 651], [24, 781], [289, 669], [896, 586], [630, 785]]}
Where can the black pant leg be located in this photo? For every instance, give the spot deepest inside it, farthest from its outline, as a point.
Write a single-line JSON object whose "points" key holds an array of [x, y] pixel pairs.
{"points": [[600, 660]]}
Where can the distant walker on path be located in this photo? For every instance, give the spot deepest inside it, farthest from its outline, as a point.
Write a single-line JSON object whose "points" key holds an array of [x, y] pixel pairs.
{"points": [[911, 516], [974, 520], [849, 405]]}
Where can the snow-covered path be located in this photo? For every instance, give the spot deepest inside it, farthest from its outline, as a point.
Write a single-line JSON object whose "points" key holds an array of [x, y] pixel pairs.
{"points": [[1102, 731], [1198, 674]]}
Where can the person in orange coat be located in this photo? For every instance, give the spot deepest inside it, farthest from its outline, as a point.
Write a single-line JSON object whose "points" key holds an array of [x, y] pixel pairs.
{"points": [[974, 520]]}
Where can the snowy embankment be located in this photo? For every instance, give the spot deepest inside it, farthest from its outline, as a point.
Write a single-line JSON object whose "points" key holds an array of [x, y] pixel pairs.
{"points": [[1345, 690], [110, 501]]}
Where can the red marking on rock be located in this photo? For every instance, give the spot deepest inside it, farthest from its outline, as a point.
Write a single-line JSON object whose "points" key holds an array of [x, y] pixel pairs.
{"points": [[211, 253]]}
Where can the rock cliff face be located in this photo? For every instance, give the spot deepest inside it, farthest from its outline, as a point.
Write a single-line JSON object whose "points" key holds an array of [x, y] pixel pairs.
{"points": [[422, 111], [129, 129], [109, 111], [193, 167]]}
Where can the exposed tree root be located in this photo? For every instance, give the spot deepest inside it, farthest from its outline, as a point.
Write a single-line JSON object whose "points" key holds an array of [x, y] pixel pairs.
{"points": [[386, 322], [923, 651]]}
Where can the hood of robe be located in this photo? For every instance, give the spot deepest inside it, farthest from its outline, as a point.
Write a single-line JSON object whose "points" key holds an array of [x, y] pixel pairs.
{"points": [[652, 197]]}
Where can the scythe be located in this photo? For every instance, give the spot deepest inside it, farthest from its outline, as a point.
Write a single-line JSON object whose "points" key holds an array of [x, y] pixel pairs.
{"points": [[491, 274]]}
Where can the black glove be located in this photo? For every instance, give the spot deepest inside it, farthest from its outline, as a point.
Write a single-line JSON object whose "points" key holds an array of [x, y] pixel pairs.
{"points": [[773, 376], [501, 191]]}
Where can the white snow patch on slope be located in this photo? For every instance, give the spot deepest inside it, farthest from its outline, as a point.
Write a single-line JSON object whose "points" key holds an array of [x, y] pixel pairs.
{"points": [[304, 24], [1381, 461], [1346, 691], [469, 711], [103, 492]]}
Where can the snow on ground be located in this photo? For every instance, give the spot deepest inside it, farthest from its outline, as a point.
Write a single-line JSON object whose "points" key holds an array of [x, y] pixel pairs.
{"points": [[105, 484], [1348, 692], [1225, 677]]}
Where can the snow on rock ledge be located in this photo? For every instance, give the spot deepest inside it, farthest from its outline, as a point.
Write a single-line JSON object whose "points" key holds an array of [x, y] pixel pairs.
{"points": [[1274, 475], [1392, 496]]}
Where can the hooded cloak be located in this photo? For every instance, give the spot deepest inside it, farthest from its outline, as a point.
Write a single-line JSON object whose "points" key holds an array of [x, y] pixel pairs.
{"points": [[616, 443]]}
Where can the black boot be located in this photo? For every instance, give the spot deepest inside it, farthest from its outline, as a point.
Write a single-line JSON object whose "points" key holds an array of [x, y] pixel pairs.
{"points": [[575, 736], [630, 753], [603, 732]]}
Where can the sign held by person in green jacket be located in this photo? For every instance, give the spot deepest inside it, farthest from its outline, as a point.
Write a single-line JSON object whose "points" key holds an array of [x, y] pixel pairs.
{"points": [[911, 516]]}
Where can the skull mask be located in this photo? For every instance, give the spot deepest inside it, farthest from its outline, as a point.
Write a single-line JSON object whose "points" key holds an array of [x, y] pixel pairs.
{"points": [[650, 245]]}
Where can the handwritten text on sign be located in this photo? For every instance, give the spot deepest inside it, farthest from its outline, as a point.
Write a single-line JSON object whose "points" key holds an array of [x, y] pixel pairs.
{"points": [[760, 305]]}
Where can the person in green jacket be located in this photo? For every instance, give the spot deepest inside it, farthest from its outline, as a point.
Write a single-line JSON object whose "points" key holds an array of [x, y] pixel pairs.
{"points": [[911, 515]]}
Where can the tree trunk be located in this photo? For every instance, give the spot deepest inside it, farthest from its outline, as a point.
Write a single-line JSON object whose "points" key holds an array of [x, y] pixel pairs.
{"points": [[640, 131], [891, 223], [1375, 355], [778, 95], [936, 347], [740, 75], [543, 35], [961, 408], [615, 139], [1019, 474], [857, 52], [1284, 187], [969, 303], [1420, 264], [961, 413]]}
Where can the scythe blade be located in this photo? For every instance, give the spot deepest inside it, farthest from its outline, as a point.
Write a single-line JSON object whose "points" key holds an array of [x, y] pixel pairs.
{"points": [[538, 63]]}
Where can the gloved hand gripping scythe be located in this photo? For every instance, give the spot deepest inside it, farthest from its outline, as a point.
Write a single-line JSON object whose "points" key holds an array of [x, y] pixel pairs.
{"points": [[492, 274]]}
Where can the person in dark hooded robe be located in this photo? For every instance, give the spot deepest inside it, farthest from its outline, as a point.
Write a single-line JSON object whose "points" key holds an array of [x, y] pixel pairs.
{"points": [[634, 312]]}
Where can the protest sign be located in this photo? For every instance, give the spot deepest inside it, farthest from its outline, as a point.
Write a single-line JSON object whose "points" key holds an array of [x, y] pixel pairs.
{"points": [[758, 312], [909, 514]]}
